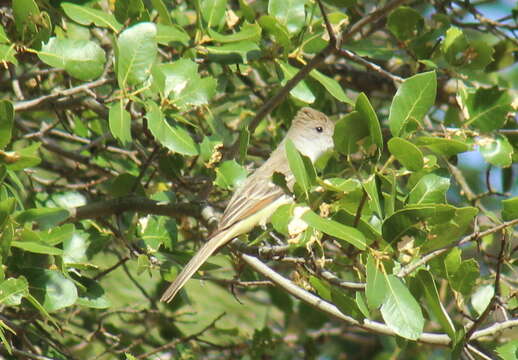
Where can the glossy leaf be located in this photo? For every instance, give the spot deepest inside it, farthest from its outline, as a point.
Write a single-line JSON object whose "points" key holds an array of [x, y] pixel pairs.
{"points": [[234, 52], [248, 32], [297, 167], [365, 109], [482, 297], [301, 91], [412, 101], [173, 137], [446, 147], [213, 11], [376, 288], [85, 15], [487, 108], [167, 34], [82, 59], [136, 53], [54, 289], [349, 131], [400, 311], [12, 290], [405, 23], [331, 85], [406, 153], [430, 189], [510, 208], [6, 122], [335, 229], [290, 13], [276, 29], [434, 303], [120, 122], [230, 175], [46, 218], [496, 151], [37, 248]]}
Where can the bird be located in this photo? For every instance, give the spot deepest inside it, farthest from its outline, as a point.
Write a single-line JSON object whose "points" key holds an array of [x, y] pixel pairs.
{"points": [[252, 204]]}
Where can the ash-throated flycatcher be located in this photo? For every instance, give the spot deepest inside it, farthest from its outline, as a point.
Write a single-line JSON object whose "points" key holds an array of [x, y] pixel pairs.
{"points": [[258, 197]]}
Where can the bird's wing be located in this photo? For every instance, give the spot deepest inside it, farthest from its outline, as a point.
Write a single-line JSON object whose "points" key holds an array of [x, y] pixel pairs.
{"points": [[253, 196]]}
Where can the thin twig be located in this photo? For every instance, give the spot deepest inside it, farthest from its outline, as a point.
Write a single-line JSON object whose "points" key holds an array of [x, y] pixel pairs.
{"points": [[476, 235], [184, 339]]}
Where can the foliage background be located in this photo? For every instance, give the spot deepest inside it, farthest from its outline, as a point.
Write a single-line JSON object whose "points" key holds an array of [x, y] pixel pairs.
{"points": [[125, 125]]}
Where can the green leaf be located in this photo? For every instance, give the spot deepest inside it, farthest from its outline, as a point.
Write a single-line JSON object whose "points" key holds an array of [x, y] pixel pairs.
{"points": [[136, 53], [172, 137], [167, 34], [400, 311], [406, 153], [196, 93], [405, 23], [487, 108], [282, 217], [482, 297], [248, 32], [94, 296], [234, 52], [12, 290], [275, 28], [440, 223], [301, 91], [75, 248], [25, 11], [297, 167], [6, 122], [454, 46], [341, 184], [57, 235], [120, 123], [158, 231], [230, 175], [213, 11], [322, 288], [54, 290], [371, 188], [463, 275], [496, 151], [349, 131], [7, 54], [290, 13], [430, 189], [82, 59], [413, 99], [365, 109], [46, 218], [163, 13], [6, 209], [37, 248], [3, 36], [508, 351], [173, 78], [346, 304], [331, 85], [335, 229], [130, 11], [435, 306], [446, 147], [376, 290], [510, 208], [21, 159], [86, 16]]}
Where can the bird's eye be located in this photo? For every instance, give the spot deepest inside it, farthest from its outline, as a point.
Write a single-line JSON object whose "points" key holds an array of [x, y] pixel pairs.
{"points": [[319, 129]]}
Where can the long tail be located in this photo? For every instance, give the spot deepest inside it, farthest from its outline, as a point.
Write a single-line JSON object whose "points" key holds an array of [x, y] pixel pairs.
{"points": [[195, 263]]}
